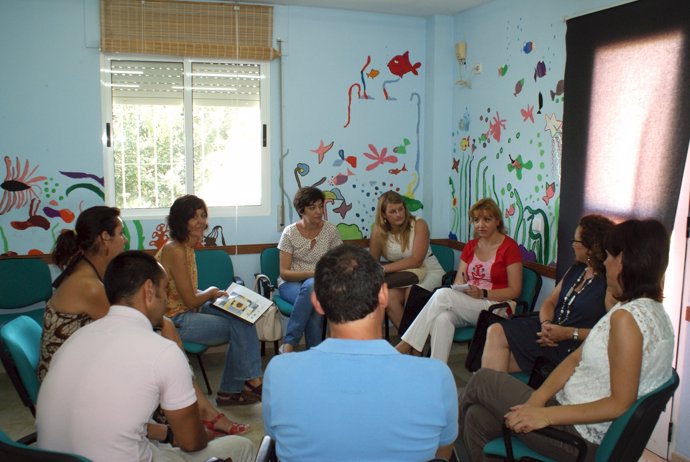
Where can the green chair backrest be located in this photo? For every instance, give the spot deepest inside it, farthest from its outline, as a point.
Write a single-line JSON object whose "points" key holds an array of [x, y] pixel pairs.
{"points": [[531, 286], [270, 263], [445, 256], [24, 282], [628, 434], [214, 268], [22, 338], [13, 450]]}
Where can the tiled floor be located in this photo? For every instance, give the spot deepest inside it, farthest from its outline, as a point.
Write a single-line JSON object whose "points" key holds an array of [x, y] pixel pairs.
{"points": [[17, 421]]}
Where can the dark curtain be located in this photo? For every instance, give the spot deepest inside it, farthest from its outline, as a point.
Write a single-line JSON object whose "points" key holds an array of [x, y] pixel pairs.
{"points": [[626, 118]]}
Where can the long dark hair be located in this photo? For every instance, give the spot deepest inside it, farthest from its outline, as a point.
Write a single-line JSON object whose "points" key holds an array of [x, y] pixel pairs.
{"points": [[645, 246], [84, 238]]}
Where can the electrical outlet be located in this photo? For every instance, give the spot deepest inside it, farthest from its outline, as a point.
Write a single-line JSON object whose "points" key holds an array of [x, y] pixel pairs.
{"points": [[477, 69]]}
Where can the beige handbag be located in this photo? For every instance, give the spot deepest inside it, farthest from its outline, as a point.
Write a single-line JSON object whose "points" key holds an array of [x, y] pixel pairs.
{"points": [[269, 327]]}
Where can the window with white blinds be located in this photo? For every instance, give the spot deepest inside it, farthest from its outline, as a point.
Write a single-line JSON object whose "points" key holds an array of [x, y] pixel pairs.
{"points": [[177, 127]]}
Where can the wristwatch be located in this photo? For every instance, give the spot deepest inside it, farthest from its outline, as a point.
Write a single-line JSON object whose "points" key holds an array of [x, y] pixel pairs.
{"points": [[169, 437], [485, 294], [576, 333]]}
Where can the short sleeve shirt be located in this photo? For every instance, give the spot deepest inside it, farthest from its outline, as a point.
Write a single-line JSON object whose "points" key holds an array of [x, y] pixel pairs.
{"points": [[491, 274], [304, 255]]}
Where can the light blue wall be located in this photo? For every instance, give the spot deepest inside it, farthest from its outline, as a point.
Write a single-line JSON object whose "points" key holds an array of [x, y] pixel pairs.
{"points": [[496, 34], [50, 116]]}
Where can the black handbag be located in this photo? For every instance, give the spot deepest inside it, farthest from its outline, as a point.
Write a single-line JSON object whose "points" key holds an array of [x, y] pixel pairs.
{"points": [[476, 348]]}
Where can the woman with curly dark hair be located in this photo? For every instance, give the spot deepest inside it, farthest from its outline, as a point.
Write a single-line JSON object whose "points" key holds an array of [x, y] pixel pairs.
{"points": [[567, 315]]}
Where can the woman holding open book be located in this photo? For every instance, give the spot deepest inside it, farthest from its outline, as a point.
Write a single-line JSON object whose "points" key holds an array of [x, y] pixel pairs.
{"points": [[79, 299], [189, 307], [490, 271]]}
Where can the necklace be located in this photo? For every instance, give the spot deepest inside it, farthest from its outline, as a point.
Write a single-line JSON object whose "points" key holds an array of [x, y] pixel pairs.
{"points": [[311, 236], [570, 297]]}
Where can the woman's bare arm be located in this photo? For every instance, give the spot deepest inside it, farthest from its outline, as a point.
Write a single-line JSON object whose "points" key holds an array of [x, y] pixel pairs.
{"points": [[174, 260], [286, 271], [625, 360], [420, 249]]}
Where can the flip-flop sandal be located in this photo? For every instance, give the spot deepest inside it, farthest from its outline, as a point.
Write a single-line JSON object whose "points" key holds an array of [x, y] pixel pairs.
{"points": [[256, 390], [235, 428], [236, 399]]}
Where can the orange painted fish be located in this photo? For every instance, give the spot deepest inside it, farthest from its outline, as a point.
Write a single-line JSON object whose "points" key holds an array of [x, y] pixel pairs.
{"points": [[550, 192], [396, 171], [372, 74]]}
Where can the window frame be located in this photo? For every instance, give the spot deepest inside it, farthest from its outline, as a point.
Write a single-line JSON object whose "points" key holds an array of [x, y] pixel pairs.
{"points": [[263, 209]]}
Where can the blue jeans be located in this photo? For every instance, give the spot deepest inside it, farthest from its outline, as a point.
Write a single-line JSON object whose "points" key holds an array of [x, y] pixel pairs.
{"points": [[210, 326], [304, 319]]}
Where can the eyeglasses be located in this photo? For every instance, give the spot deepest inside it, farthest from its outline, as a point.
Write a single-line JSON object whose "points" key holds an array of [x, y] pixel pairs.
{"points": [[573, 241]]}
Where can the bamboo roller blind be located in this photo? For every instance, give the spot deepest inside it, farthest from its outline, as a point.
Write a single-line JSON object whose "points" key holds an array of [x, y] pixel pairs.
{"points": [[188, 29]]}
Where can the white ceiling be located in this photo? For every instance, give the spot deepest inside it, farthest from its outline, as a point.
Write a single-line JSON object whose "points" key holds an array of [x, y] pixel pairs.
{"points": [[402, 7]]}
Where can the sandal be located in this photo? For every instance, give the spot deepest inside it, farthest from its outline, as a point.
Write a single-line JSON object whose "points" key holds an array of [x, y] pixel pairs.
{"points": [[236, 399], [236, 428], [256, 390]]}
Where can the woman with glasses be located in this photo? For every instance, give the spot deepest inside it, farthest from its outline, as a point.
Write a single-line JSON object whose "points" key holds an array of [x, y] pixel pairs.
{"points": [[567, 315]]}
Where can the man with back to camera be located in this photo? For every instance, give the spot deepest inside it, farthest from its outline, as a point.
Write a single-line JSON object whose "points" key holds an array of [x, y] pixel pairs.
{"points": [[354, 397], [108, 378]]}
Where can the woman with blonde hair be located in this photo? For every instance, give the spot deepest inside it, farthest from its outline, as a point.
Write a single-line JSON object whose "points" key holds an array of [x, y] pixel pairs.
{"points": [[490, 271], [403, 241]]}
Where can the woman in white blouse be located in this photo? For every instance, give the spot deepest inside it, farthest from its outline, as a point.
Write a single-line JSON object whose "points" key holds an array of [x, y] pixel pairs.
{"points": [[627, 354], [301, 246]]}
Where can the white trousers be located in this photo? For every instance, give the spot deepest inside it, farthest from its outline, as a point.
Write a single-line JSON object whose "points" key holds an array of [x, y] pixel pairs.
{"points": [[239, 448], [446, 310]]}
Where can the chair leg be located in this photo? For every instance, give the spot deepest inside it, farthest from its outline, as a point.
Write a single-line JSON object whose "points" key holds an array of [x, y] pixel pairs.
{"points": [[275, 347], [324, 328], [263, 348], [386, 327], [203, 372]]}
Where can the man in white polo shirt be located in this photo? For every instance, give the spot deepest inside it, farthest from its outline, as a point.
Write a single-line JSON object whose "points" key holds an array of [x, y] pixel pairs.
{"points": [[106, 381]]}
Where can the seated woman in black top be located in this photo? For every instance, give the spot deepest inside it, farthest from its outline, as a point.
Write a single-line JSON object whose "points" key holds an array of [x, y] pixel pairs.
{"points": [[566, 316]]}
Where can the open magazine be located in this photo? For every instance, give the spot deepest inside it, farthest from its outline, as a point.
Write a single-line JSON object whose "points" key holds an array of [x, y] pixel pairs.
{"points": [[243, 303]]}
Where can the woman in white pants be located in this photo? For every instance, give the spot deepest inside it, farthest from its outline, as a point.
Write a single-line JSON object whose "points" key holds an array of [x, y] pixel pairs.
{"points": [[491, 270]]}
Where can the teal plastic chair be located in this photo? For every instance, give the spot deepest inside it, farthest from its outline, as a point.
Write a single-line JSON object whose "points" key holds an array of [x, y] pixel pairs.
{"points": [[445, 256], [531, 286], [270, 266], [214, 268], [625, 439], [20, 347], [20, 351], [24, 282], [14, 450]]}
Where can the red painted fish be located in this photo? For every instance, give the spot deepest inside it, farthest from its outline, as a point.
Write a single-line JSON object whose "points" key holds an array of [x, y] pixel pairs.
{"points": [[550, 192], [396, 171], [400, 65]]}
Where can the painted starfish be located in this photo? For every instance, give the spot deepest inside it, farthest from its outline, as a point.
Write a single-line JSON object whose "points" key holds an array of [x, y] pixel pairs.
{"points": [[553, 125], [322, 150]]}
